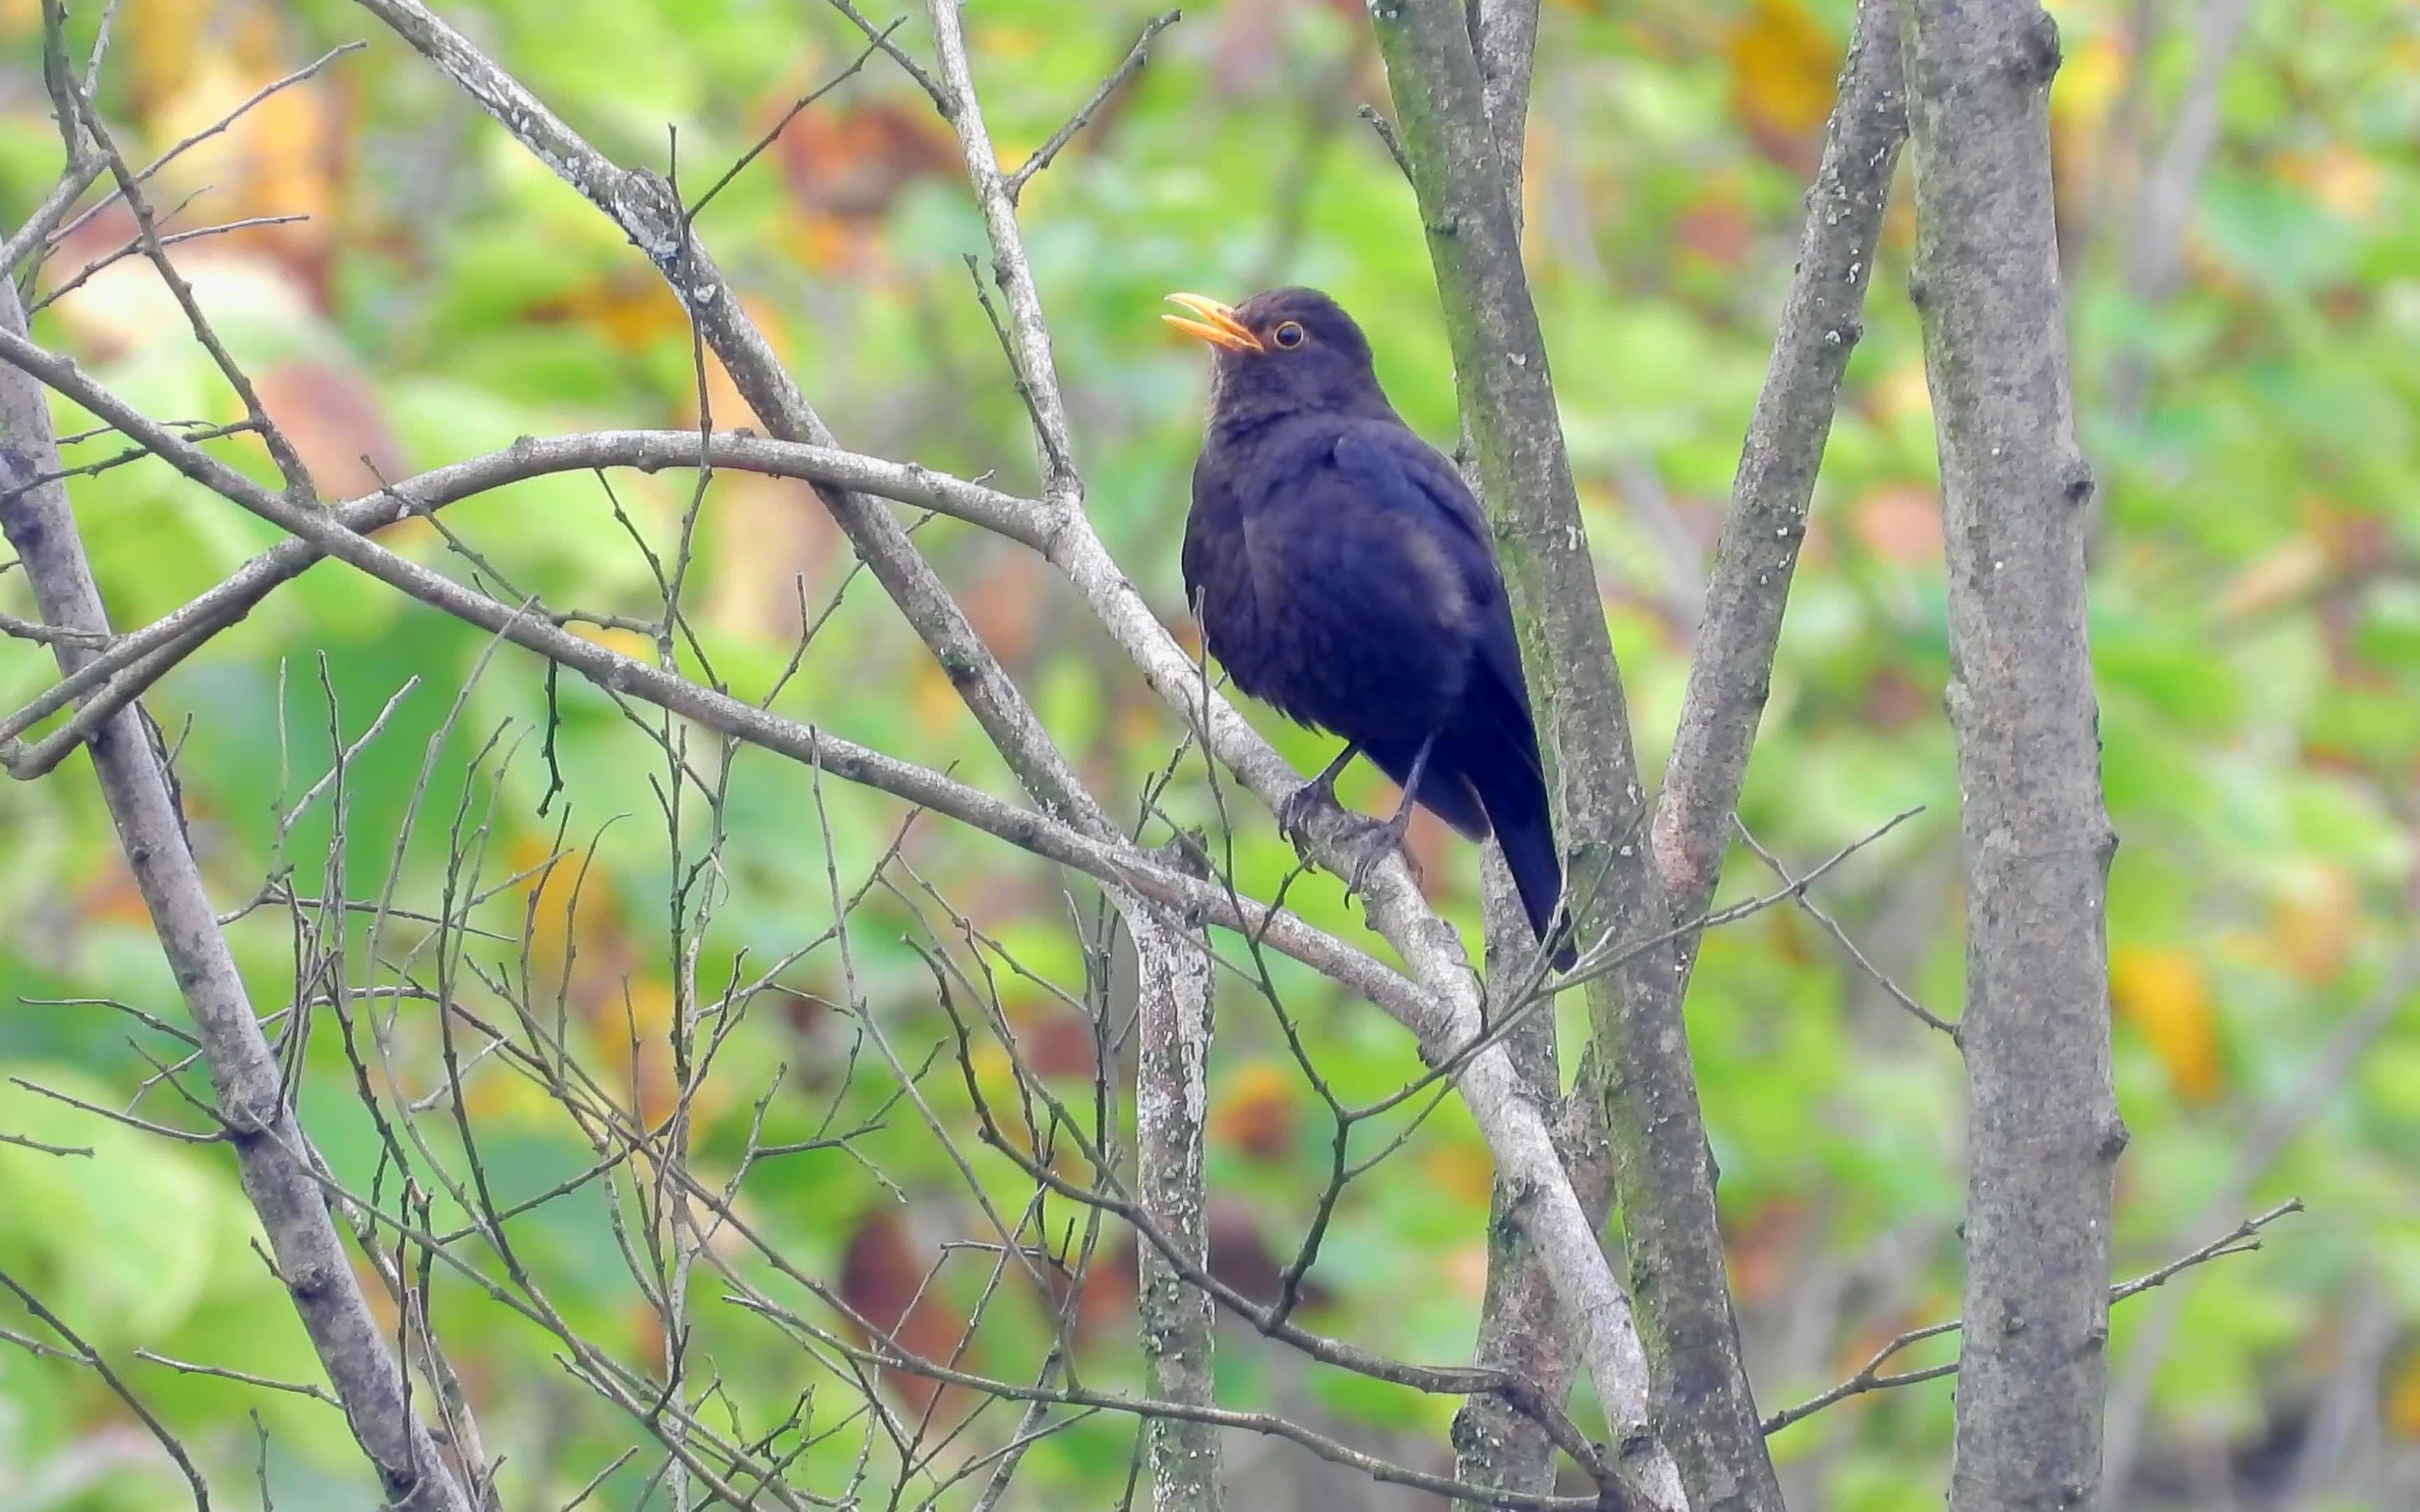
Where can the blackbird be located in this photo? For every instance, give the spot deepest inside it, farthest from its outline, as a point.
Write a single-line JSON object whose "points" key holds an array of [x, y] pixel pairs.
{"points": [[1344, 575]]}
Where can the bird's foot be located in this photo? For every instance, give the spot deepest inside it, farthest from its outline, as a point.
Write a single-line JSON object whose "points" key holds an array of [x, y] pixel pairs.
{"points": [[1296, 811], [1381, 839]]}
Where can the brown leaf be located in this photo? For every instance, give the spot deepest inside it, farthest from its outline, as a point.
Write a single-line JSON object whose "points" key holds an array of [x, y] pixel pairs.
{"points": [[1763, 1255], [844, 165], [882, 1279], [1004, 605], [331, 415], [1716, 225], [1900, 523], [285, 155], [1254, 1110]]}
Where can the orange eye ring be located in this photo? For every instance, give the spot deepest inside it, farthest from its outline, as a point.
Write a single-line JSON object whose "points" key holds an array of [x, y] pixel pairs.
{"points": [[1288, 336]]}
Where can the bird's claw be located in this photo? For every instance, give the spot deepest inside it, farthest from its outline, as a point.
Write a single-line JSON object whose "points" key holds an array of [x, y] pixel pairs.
{"points": [[1381, 839], [1295, 811]]}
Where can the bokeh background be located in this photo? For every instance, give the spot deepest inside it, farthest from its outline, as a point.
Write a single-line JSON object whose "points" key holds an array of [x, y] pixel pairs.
{"points": [[2240, 205]]}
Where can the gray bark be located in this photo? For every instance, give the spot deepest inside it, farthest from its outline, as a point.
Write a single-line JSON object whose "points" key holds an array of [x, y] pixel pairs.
{"points": [[1704, 1411], [1172, 1110], [1521, 1328], [1731, 674], [272, 1156], [2043, 1129]]}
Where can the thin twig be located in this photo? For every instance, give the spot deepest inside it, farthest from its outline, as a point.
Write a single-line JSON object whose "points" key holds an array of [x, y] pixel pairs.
{"points": [[1898, 994], [2236, 1240], [1136, 57], [697, 206]]}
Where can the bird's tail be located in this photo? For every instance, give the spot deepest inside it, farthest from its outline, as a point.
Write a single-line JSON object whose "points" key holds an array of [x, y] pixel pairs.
{"points": [[1488, 779], [1504, 768], [1525, 830]]}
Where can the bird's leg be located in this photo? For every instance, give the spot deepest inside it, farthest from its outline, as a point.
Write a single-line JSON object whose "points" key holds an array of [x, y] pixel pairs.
{"points": [[1294, 813], [1388, 837]]}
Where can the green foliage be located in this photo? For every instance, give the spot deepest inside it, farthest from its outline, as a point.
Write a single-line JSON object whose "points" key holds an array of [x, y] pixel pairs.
{"points": [[2255, 628]]}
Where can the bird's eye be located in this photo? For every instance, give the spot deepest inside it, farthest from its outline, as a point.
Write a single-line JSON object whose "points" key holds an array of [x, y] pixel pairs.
{"points": [[1288, 336]]}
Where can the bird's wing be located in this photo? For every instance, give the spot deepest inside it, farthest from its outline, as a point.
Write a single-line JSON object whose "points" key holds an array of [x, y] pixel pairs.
{"points": [[1395, 466], [1399, 468]]}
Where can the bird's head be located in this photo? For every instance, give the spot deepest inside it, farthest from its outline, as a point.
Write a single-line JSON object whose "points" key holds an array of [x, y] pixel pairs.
{"points": [[1284, 350]]}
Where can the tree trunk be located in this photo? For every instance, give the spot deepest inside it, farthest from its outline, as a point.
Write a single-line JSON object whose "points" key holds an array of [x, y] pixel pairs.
{"points": [[2044, 1127]]}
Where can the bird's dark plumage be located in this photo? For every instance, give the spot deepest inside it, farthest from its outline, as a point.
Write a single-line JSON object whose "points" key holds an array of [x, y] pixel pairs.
{"points": [[1344, 575]]}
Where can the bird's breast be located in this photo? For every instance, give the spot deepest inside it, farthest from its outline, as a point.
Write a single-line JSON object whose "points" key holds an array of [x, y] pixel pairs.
{"points": [[1339, 611]]}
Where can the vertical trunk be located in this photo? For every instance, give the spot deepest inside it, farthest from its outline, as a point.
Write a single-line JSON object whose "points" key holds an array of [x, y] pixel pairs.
{"points": [[1704, 1413], [1171, 1097], [2044, 1127]]}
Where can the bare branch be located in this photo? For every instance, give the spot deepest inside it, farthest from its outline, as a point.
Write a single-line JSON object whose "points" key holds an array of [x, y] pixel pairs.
{"points": [[265, 1136], [1703, 1439], [2236, 1240], [91, 1358], [893, 51], [697, 206], [1136, 57], [22, 1142], [43, 224], [135, 661], [298, 1388], [1798, 893], [1822, 320], [648, 211], [2312, 1093]]}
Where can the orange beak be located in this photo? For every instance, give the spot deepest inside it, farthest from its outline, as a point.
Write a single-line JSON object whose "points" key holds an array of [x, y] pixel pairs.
{"points": [[1217, 325]]}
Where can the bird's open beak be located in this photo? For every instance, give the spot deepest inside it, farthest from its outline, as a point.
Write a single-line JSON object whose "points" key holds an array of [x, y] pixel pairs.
{"points": [[1217, 325]]}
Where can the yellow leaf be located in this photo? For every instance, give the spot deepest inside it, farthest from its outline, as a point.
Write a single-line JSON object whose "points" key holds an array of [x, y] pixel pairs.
{"points": [[628, 642], [1898, 393], [2090, 78], [2403, 1397], [2312, 920], [1254, 1111], [2163, 991], [160, 38], [2344, 180], [2285, 574], [1460, 1171], [630, 308], [935, 698], [1783, 64]]}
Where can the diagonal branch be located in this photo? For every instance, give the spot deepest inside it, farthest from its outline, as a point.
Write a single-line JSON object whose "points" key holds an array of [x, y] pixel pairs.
{"points": [[1731, 671], [1140, 55], [135, 661], [1113, 860], [649, 211], [1444, 1012], [2237, 1241], [1173, 1007], [91, 1359]]}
